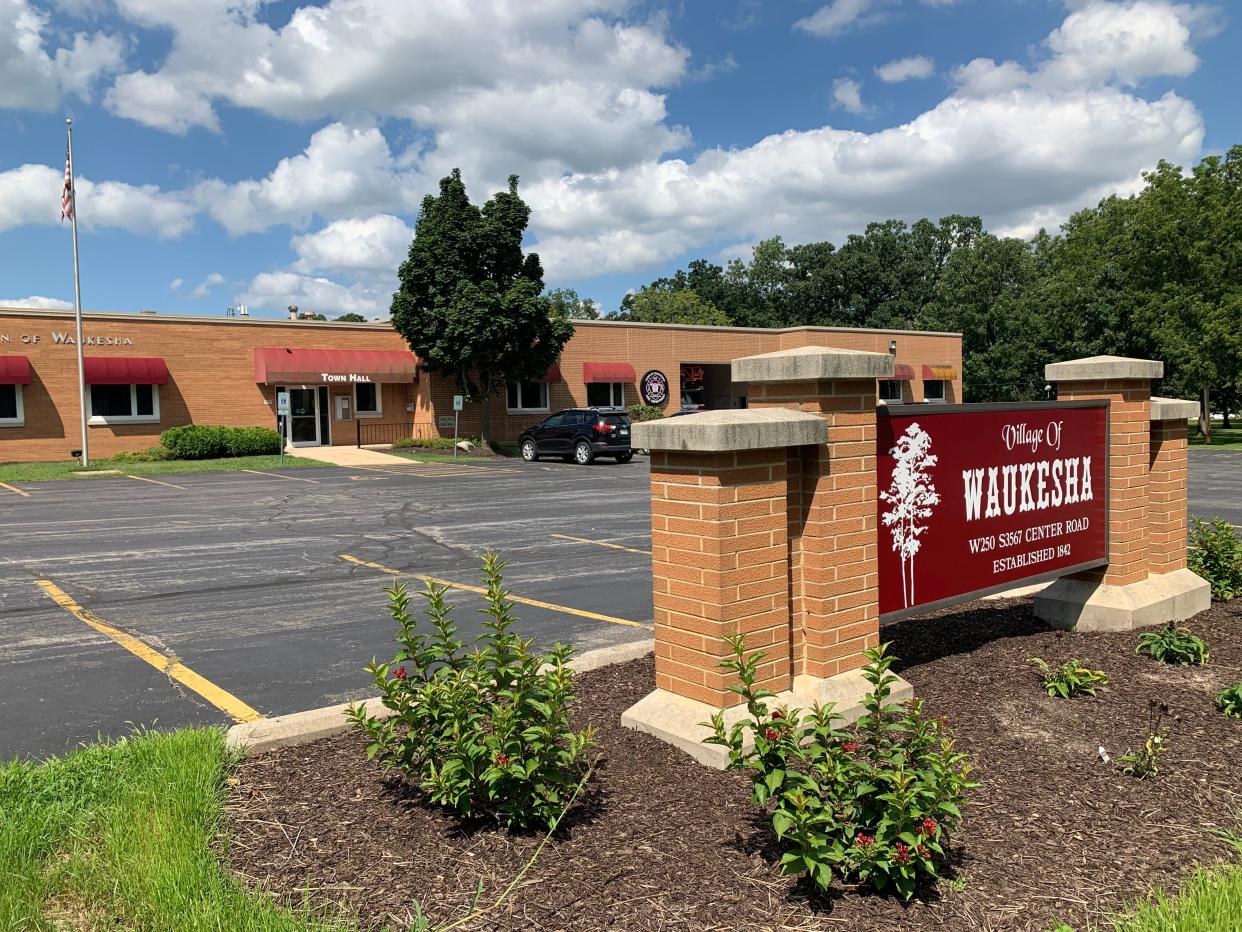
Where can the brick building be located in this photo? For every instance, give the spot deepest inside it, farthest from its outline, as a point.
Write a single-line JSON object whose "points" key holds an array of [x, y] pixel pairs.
{"points": [[353, 383]]}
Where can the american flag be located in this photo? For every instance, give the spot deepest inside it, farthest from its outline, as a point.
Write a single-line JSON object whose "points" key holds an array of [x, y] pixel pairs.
{"points": [[66, 194]]}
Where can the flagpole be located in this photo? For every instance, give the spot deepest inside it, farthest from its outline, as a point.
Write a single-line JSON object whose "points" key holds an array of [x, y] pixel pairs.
{"points": [[77, 294]]}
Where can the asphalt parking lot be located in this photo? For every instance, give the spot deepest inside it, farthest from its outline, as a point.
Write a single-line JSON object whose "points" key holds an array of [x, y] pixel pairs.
{"points": [[267, 588]]}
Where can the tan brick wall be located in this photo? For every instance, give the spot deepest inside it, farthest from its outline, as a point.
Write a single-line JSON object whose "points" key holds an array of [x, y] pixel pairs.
{"points": [[719, 559], [1129, 451], [210, 361], [833, 545], [1166, 496]]}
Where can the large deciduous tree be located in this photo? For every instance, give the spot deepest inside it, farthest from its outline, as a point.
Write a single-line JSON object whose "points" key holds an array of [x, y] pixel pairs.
{"points": [[470, 302]]}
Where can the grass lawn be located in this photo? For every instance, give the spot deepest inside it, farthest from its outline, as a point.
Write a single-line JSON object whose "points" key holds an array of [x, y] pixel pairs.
{"points": [[1221, 439], [1209, 902], [433, 456], [123, 836], [37, 472]]}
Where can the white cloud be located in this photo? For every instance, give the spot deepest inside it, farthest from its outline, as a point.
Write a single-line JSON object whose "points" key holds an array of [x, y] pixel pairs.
{"points": [[175, 284], [366, 244], [847, 94], [905, 69], [37, 301], [277, 290], [204, 287], [30, 194], [33, 76], [839, 16], [556, 85]]}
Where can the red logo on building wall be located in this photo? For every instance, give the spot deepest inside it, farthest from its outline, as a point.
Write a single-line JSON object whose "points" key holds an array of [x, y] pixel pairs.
{"points": [[979, 498]]}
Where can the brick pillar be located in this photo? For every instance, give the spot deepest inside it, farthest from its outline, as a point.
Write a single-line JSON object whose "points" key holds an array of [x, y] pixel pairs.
{"points": [[1166, 485], [1147, 505], [834, 580], [718, 552]]}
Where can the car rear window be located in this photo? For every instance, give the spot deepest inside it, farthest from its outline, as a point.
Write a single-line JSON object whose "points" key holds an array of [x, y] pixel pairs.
{"points": [[618, 419]]}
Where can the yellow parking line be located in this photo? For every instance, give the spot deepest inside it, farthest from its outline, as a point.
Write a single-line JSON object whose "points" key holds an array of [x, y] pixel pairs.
{"points": [[13, 488], [155, 482], [222, 700], [551, 606], [600, 543], [276, 475]]}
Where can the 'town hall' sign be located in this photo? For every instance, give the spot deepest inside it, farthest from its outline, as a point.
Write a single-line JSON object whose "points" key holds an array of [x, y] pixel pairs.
{"points": [[978, 498]]}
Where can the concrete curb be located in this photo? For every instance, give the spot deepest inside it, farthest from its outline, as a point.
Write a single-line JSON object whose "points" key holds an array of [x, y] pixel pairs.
{"points": [[282, 731]]}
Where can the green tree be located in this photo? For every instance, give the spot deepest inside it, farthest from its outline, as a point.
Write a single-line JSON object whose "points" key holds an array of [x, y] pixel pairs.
{"points": [[351, 318], [669, 305], [565, 304], [469, 302]]}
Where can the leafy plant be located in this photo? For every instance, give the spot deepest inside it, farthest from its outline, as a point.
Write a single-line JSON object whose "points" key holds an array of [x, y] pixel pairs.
{"points": [[487, 732], [1070, 679], [875, 804], [1216, 555], [640, 413], [1229, 701], [1145, 762], [207, 441], [1173, 644]]}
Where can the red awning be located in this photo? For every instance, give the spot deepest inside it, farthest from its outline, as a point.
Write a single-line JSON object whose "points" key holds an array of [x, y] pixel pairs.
{"points": [[901, 373], [552, 375], [608, 372], [945, 373], [125, 370], [281, 364], [14, 370]]}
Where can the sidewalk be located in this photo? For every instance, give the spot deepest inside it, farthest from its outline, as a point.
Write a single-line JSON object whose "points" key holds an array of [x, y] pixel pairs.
{"points": [[350, 456]]}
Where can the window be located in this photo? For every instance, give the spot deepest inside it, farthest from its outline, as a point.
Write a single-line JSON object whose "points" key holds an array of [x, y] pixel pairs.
{"points": [[933, 390], [12, 414], [528, 396], [367, 400], [892, 390], [606, 395], [123, 404]]}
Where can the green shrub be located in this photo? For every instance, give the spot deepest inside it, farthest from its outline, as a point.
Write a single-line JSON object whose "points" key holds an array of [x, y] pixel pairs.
{"points": [[1070, 679], [251, 441], [149, 455], [1216, 555], [195, 442], [644, 412], [1173, 644], [485, 733], [875, 804], [1229, 701], [206, 441]]}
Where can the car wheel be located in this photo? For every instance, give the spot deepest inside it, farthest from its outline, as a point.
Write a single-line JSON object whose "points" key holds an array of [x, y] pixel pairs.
{"points": [[625, 457], [583, 454], [530, 452]]}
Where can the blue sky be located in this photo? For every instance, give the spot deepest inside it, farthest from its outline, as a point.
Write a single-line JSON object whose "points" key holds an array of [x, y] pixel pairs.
{"points": [[275, 153]]}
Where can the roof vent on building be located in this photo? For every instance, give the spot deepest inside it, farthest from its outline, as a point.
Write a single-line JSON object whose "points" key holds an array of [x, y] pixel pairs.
{"points": [[149, 312], [239, 310], [293, 312]]}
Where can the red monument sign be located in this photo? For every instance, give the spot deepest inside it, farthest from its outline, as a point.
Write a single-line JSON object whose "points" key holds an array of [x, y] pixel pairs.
{"points": [[979, 498]]}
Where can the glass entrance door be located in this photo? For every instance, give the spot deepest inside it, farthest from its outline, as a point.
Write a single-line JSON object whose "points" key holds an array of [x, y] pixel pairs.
{"points": [[303, 417]]}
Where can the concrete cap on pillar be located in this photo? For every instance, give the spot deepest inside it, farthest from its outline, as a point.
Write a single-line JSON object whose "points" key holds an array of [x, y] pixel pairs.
{"points": [[721, 431], [1173, 409], [812, 364], [1103, 369]]}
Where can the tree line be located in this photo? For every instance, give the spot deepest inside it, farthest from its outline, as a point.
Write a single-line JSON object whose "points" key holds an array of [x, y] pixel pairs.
{"points": [[1157, 274]]}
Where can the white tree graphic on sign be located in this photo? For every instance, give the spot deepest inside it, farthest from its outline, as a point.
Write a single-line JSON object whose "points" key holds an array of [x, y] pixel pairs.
{"points": [[912, 495]]}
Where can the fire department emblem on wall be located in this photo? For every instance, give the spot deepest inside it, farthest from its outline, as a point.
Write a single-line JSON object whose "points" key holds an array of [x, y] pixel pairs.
{"points": [[654, 386]]}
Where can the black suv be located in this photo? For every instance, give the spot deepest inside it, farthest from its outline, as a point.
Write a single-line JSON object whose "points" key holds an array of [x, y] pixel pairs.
{"points": [[580, 434]]}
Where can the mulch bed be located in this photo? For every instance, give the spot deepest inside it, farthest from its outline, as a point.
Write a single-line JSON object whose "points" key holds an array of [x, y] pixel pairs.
{"points": [[1052, 834]]}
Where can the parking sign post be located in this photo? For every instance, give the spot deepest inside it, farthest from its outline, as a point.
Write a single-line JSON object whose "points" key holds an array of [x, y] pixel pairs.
{"points": [[457, 403], [282, 420]]}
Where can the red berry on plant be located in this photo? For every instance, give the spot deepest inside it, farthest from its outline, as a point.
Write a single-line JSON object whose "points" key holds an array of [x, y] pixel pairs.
{"points": [[922, 851], [864, 840], [399, 673], [502, 759], [771, 734], [930, 826], [902, 854], [849, 747], [778, 715]]}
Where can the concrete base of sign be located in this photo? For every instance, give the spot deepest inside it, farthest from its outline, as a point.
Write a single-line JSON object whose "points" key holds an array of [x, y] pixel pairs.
{"points": [[684, 723], [1157, 600]]}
